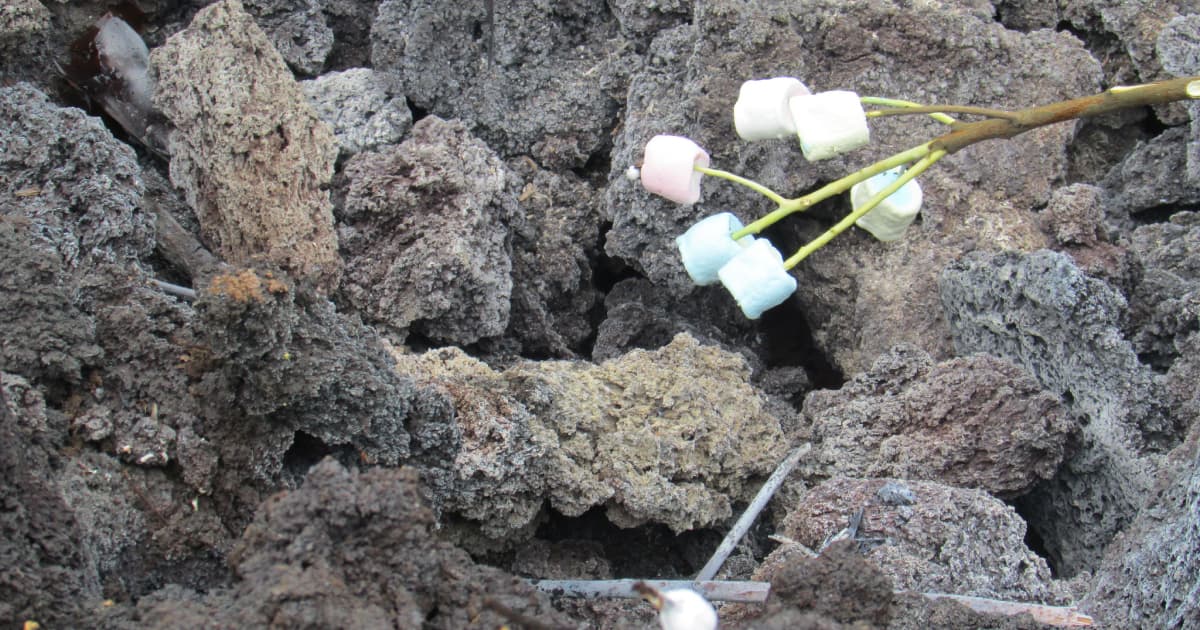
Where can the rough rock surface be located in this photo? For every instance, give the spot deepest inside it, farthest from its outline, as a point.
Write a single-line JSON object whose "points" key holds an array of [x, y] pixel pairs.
{"points": [[281, 355], [672, 436], [311, 558], [1165, 301], [1177, 45], [1040, 312], [23, 27], [425, 237], [975, 422], [554, 232], [839, 585], [859, 296], [1150, 576], [550, 87], [298, 30], [366, 109], [926, 537], [49, 574], [248, 151]]}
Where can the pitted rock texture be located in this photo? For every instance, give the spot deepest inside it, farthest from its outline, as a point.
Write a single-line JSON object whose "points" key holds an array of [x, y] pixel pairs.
{"points": [[1177, 45], [71, 181], [672, 436], [839, 588], [249, 152], [926, 537], [975, 422], [550, 88], [298, 30], [859, 296], [283, 356], [311, 558], [1165, 300], [50, 573], [555, 232], [365, 108], [1150, 576], [23, 33], [424, 232], [1040, 312]]}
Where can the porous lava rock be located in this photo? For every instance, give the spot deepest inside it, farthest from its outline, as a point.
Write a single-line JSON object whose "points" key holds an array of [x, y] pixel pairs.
{"points": [[925, 537], [1042, 313], [251, 156], [671, 436], [425, 237], [311, 557], [974, 422]]}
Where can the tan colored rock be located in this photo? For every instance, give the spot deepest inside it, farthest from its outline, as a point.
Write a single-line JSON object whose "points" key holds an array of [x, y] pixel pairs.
{"points": [[248, 151], [671, 436]]}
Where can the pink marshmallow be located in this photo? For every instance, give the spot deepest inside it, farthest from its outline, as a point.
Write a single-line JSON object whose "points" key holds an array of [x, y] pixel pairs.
{"points": [[667, 168]]}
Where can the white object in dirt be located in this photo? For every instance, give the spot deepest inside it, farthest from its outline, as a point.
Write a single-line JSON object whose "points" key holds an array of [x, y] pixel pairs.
{"points": [[757, 279], [707, 246], [762, 111], [668, 168], [829, 123], [887, 221], [683, 609]]}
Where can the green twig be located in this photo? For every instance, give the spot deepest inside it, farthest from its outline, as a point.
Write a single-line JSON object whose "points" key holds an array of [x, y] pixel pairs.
{"points": [[849, 220], [895, 102]]}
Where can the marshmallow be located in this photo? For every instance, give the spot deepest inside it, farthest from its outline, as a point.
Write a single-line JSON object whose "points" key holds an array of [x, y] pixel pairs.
{"points": [[829, 123], [762, 111], [667, 168], [707, 246], [757, 279], [888, 220]]}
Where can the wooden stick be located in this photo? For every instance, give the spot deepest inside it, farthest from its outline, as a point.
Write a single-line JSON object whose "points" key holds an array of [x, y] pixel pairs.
{"points": [[746, 521], [1062, 616], [713, 590]]}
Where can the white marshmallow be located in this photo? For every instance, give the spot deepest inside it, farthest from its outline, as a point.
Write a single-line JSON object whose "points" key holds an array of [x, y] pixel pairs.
{"points": [[685, 609], [829, 123], [667, 168], [893, 215], [757, 279], [762, 111], [706, 246]]}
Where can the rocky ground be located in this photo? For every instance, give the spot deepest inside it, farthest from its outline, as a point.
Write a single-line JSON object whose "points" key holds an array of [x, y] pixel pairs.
{"points": [[438, 344]]}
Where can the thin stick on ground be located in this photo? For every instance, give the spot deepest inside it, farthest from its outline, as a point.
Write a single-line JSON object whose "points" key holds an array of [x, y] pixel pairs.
{"points": [[714, 590], [1062, 616], [746, 521]]}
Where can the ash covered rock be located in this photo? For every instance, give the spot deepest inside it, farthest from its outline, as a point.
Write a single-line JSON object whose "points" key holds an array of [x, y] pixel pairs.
{"points": [[859, 296], [365, 108], [1177, 45], [298, 30], [555, 232], [974, 422], [71, 181], [248, 151], [1040, 312], [941, 539], [425, 237], [1165, 301], [672, 436], [50, 573], [24, 25], [551, 88], [1150, 576], [282, 355], [352, 550]]}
